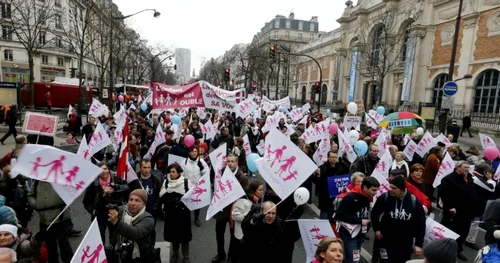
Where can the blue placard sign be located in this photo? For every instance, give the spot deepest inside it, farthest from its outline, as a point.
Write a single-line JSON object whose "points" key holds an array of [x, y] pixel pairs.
{"points": [[337, 183]]}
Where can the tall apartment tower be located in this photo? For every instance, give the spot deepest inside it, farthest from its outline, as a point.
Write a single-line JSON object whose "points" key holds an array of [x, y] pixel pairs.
{"points": [[183, 62]]}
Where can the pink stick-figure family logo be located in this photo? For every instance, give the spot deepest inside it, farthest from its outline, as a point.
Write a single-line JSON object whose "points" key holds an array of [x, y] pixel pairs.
{"points": [[438, 232], [94, 256], [56, 171], [198, 190]]}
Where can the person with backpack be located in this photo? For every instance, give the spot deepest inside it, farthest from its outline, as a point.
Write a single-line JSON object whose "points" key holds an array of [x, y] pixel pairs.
{"points": [[177, 228], [194, 168], [398, 221], [354, 209]]}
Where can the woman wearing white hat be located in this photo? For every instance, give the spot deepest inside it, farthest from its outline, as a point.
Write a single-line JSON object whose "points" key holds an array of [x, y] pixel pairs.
{"points": [[26, 246]]}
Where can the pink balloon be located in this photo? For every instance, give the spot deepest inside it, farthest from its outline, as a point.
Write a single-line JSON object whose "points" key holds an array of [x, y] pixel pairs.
{"points": [[120, 98], [334, 127], [189, 140], [491, 153]]}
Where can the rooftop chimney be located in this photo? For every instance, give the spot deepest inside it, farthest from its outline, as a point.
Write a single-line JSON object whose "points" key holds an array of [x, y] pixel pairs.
{"points": [[314, 19], [291, 16]]}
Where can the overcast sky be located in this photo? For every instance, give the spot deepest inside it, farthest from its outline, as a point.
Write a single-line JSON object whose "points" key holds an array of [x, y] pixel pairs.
{"points": [[209, 28]]}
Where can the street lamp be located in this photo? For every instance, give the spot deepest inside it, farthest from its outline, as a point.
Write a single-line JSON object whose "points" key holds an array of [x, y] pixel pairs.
{"points": [[155, 14]]}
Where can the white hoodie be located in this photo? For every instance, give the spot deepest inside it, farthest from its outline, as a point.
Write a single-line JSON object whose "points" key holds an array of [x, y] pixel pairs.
{"points": [[192, 170]]}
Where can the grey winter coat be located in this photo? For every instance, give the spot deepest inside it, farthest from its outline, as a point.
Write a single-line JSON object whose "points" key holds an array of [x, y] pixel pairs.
{"points": [[47, 203]]}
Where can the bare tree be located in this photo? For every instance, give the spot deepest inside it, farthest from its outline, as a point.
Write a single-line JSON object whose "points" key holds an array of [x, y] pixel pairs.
{"points": [[30, 22], [100, 40], [382, 49], [261, 66], [212, 72]]}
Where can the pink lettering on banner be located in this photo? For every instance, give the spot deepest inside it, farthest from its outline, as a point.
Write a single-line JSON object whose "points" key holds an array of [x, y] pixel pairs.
{"points": [[168, 97]]}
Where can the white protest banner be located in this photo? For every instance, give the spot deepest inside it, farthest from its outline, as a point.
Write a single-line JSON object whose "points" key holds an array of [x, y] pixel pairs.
{"points": [[486, 141], [120, 118], [227, 190], [151, 151], [130, 174], [352, 122], [261, 147], [99, 139], [218, 157], [305, 108], [384, 184], [381, 142], [316, 132], [91, 248], [295, 114], [271, 122], [384, 164], [172, 158], [446, 168], [199, 195], [434, 230], [56, 166], [160, 136], [320, 156], [406, 139], [39, 123], [97, 109], [284, 102], [246, 145], [117, 138], [201, 112], [410, 149], [290, 129], [284, 166], [220, 99], [425, 144], [312, 231], [370, 122], [375, 116], [346, 147], [443, 139], [245, 108], [209, 129], [83, 149]]}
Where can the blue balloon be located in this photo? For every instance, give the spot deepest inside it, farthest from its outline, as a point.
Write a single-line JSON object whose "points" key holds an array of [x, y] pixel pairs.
{"points": [[328, 111], [360, 147], [381, 110], [251, 162], [176, 119], [144, 107], [283, 109]]}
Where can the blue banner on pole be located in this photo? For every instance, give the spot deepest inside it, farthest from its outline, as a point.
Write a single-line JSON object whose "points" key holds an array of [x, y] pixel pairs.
{"points": [[352, 75], [337, 183]]}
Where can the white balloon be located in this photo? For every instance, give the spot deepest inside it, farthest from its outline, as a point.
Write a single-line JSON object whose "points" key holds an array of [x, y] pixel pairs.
{"points": [[353, 136], [352, 107], [420, 131], [301, 196], [334, 115]]}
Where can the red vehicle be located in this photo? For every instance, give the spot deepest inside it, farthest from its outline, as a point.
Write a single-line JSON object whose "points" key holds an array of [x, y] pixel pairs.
{"points": [[62, 95]]}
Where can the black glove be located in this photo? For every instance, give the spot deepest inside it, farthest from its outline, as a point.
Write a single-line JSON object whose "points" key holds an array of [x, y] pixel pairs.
{"points": [[41, 236], [257, 218]]}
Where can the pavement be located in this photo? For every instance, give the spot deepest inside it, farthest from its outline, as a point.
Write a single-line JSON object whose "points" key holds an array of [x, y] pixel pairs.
{"points": [[203, 245]]}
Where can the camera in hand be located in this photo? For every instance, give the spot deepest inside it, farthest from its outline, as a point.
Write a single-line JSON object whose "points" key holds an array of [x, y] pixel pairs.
{"points": [[125, 250], [112, 206], [116, 187]]}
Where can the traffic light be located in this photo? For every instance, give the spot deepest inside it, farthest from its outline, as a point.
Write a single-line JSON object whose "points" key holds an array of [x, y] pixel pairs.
{"points": [[73, 72], [272, 52], [227, 73], [317, 87]]}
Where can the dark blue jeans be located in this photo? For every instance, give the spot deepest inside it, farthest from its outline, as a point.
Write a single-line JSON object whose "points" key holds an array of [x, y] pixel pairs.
{"points": [[351, 245]]}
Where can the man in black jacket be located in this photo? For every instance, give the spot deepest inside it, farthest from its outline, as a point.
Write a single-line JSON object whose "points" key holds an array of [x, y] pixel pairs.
{"points": [[354, 209], [466, 123], [366, 164], [223, 137], [11, 122]]}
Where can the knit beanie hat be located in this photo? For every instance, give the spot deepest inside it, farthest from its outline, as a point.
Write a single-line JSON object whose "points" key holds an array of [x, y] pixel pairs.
{"points": [[7, 215], [9, 228], [399, 182], [441, 250], [141, 194]]}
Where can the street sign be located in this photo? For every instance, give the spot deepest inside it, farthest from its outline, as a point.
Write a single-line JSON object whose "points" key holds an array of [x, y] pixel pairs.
{"points": [[450, 88], [447, 103]]}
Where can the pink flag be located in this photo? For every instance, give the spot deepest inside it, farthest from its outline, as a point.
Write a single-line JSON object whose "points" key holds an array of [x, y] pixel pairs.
{"points": [[312, 231], [91, 248], [284, 166], [199, 195], [227, 189]]}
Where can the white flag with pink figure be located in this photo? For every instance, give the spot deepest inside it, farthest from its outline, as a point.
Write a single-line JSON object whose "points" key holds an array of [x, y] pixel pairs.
{"points": [[312, 231], [316, 132], [271, 122], [201, 113], [384, 184], [381, 142], [99, 139], [407, 139], [209, 129], [296, 114], [120, 118], [375, 116], [199, 195], [434, 230], [410, 149], [218, 157], [227, 189], [83, 149], [261, 147], [425, 144], [56, 166], [345, 147], [97, 109], [245, 108], [443, 139], [159, 136], [246, 145], [370, 122], [117, 138], [320, 156], [486, 141], [306, 107], [91, 248], [284, 166], [447, 167], [384, 164]]}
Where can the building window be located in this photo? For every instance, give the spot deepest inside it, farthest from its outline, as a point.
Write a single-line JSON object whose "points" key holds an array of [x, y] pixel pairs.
{"points": [[45, 59], [59, 43], [377, 44], [487, 97], [276, 23], [288, 23], [6, 10], [275, 34], [287, 34], [58, 21], [324, 92], [311, 37], [406, 37], [7, 32], [303, 94], [437, 94], [311, 26], [301, 25], [60, 62], [299, 37], [41, 38], [8, 55]]}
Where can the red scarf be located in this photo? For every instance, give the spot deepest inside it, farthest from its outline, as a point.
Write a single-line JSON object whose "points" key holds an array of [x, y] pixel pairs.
{"points": [[104, 183], [416, 179]]}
